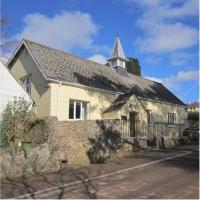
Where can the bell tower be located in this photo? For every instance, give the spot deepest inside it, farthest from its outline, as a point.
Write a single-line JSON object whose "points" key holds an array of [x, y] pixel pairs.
{"points": [[117, 58]]}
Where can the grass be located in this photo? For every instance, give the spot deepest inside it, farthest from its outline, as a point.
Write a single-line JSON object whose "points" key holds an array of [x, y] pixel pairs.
{"points": [[25, 147]]}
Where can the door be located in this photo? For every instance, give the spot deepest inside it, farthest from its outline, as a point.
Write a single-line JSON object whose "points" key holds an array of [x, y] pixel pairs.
{"points": [[133, 117]]}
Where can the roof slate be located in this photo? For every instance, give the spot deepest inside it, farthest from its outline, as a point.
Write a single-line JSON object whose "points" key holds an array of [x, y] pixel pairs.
{"points": [[61, 66]]}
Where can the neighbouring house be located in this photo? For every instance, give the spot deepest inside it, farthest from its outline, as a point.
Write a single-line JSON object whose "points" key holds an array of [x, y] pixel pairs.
{"points": [[73, 88], [193, 107], [10, 88]]}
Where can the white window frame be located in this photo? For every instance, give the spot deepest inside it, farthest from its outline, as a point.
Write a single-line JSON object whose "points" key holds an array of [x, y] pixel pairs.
{"points": [[82, 117], [149, 117], [171, 119]]}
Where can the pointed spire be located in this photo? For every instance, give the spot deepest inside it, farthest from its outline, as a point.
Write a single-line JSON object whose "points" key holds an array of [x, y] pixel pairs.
{"points": [[117, 49], [118, 57]]}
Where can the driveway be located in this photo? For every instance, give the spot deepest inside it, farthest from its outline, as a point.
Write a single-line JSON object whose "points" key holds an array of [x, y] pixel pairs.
{"points": [[151, 174]]}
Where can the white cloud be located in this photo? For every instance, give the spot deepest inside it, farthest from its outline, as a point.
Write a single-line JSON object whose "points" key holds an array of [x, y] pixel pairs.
{"points": [[167, 9], [168, 37], [163, 24], [173, 82], [65, 31], [183, 76], [159, 80], [180, 58], [98, 58], [4, 57]]}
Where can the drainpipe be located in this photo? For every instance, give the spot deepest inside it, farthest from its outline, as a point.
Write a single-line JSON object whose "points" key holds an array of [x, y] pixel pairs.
{"points": [[58, 98]]}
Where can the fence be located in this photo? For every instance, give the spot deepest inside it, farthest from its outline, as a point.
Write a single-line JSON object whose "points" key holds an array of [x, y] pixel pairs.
{"points": [[142, 129]]}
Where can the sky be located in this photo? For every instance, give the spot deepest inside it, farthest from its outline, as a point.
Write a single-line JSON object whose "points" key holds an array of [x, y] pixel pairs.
{"points": [[161, 34]]}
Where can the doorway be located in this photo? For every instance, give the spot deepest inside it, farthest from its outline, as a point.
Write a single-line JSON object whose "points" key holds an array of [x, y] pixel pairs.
{"points": [[133, 125]]}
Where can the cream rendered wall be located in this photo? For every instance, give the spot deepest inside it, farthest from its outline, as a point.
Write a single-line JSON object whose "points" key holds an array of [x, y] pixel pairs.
{"points": [[40, 93], [160, 111], [99, 101], [61, 94], [125, 110], [111, 115]]}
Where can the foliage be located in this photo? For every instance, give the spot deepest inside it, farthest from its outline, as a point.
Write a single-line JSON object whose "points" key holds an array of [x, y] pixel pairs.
{"points": [[193, 116], [133, 66], [17, 121]]}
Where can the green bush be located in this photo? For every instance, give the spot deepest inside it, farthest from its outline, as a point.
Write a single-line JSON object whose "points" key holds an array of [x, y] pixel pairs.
{"points": [[17, 122], [193, 116]]}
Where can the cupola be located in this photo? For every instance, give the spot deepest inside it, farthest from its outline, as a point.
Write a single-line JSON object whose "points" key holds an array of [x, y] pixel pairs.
{"points": [[117, 58]]}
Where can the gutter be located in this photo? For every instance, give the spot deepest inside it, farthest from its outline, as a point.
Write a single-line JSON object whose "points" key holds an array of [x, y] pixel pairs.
{"points": [[58, 98]]}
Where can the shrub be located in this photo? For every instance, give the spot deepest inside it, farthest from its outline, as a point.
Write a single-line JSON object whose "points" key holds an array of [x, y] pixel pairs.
{"points": [[17, 121], [193, 116]]}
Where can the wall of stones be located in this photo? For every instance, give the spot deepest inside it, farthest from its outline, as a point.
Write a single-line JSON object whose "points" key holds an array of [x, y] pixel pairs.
{"points": [[71, 139], [36, 160], [69, 144]]}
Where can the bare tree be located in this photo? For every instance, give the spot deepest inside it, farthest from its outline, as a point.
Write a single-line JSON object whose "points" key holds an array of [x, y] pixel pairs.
{"points": [[5, 42]]}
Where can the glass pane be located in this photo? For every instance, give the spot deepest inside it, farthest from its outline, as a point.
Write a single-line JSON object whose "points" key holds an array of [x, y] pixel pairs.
{"points": [[71, 110], [171, 119], [27, 84], [168, 119], [84, 110], [149, 117], [78, 110]]}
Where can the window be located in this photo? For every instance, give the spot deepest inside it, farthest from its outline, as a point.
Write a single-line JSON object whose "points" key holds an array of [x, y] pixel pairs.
{"points": [[124, 126], [26, 82], [71, 110], [123, 117], [149, 117], [121, 63], [171, 118], [77, 109]]}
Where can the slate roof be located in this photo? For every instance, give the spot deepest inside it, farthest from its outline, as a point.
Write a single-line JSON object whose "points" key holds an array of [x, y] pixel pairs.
{"points": [[61, 66]]}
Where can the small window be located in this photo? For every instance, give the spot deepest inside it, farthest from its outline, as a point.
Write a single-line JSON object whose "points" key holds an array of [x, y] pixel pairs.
{"points": [[77, 110], [149, 117], [26, 82], [171, 118], [123, 117]]}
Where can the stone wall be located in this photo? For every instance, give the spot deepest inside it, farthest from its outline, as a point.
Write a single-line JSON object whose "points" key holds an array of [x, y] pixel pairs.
{"points": [[72, 139], [36, 160], [77, 143]]}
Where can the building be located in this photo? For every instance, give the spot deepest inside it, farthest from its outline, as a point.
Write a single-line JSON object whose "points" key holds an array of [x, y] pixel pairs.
{"points": [[193, 107], [73, 88], [9, 88]]}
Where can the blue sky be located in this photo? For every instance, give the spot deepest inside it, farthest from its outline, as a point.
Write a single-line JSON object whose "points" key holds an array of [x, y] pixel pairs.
{"points": [[162, 34]]}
